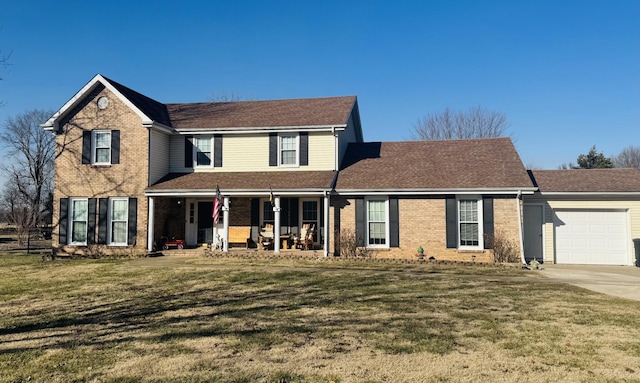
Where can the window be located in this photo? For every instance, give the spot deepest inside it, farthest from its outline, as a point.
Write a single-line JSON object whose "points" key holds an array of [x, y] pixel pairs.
{"points": [[203, 151], [78, 221], [268, 216], [310, 212], [469, 223], [288, 150], [119, 212], [377, 228], [101, 147]]}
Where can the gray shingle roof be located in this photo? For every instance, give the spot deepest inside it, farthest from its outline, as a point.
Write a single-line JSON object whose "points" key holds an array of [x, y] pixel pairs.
{"points": [[587, 180], [230, 181], [491, 163], [330, 111], [155, 110]]}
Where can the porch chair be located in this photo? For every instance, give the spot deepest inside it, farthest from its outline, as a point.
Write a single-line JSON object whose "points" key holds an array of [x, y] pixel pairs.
{"points": [[265, 239], [305, 239]]}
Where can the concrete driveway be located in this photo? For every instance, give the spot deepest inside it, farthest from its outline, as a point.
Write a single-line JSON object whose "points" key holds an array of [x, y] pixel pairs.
{"points": [[619, 281]]}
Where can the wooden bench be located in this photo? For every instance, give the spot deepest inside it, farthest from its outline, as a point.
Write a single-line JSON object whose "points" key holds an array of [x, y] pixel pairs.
{"points": [[239, 234]]}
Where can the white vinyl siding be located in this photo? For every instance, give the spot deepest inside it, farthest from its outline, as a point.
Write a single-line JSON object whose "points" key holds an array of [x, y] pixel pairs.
{"points": [[250, 153], [159, 156]]}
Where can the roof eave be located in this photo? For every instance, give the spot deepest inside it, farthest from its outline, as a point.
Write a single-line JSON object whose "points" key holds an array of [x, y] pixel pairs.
{"points": [[426, 191], [263, 129]]}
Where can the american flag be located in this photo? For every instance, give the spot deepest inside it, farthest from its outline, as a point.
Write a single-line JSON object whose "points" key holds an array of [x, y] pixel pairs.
{"points": [[217, 202]]}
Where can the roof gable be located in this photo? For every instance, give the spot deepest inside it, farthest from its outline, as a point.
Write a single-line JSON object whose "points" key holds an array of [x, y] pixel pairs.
{"points": [[146, 108], [478, 164], [587, 180]]}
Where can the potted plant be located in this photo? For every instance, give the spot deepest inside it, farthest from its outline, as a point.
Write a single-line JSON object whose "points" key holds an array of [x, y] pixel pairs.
{"points": [[420, 253]]}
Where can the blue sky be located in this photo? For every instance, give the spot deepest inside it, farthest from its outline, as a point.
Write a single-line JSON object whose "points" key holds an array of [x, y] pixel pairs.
{"points": [[565, 73]]}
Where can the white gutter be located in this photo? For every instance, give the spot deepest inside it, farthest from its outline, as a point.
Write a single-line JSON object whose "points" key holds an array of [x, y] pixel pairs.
{"points": [[579, 194], [209, 193], [252, 129], [520, 223], [433, 191]]}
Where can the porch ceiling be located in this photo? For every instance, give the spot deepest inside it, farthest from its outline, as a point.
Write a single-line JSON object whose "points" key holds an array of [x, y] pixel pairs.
{"points": [[244, 181]]}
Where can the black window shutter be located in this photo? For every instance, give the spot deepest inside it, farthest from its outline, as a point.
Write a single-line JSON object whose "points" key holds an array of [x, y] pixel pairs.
{"points": [[452, 222], [91, 222], [360, 221], [255, 211], [304, 148], [86, 147], [273, 149], [188, 152], [63, 221], [133, 221], [284, 212], [217, 150], [115, 146], [487, 222], [103, 217], [293, 211], [394, 223]]}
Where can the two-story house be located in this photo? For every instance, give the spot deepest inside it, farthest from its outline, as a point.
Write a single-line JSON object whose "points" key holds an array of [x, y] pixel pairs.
{"points": [[130, 170]]}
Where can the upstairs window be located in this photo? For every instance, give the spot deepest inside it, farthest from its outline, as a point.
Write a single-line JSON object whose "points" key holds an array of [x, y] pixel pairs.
{"points": [[288, 150], [203, 152], [101, 147]]}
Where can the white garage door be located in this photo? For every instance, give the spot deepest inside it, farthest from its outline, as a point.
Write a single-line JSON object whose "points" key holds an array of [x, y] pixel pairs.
{"points": [[597, 237]]}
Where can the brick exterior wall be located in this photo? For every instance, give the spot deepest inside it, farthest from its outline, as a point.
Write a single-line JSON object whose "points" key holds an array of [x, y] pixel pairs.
{"points": [[126, 179], [422, 222]]}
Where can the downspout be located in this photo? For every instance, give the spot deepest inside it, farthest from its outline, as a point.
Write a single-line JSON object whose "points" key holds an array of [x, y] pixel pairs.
{"points": [[518, 196]]}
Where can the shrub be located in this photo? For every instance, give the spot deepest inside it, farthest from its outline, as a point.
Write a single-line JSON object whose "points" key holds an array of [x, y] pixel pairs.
{"points": [[350, 245], [504, 249]]}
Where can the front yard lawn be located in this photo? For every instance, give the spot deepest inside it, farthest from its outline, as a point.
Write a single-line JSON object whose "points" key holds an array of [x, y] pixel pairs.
{"points": [[197, 319]]}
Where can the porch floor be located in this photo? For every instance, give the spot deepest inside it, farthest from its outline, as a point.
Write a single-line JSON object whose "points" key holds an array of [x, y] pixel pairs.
{"points": [[241, 252]]}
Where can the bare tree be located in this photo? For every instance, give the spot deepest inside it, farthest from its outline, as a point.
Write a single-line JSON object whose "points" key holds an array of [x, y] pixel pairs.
{"points": [[475, 123], [29, 171], [629, 157]]}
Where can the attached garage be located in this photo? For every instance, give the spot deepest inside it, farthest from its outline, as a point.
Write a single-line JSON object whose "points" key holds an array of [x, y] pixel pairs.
{"points": [[594, 237], [583, 216]]}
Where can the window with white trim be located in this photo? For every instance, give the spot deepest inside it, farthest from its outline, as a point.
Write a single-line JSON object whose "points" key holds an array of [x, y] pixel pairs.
{"points": [[288, 150], [101, 144], [78, 221], [203, 152], [118, 221], [268, 215], [377, 222], [470, 231]]}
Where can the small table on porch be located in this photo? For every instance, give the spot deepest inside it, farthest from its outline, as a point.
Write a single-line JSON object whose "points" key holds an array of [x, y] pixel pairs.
{"points": [[285, 238]]}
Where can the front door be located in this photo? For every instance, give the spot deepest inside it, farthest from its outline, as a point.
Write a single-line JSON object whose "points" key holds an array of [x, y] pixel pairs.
{"points": [[533, 221], [205, 222]]}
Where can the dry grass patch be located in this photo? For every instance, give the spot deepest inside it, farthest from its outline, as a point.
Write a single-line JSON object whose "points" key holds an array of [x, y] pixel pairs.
{"points": [[204, 319]]}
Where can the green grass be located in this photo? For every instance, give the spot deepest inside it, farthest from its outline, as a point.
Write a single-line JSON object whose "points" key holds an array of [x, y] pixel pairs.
{"points": [[229, 320]]}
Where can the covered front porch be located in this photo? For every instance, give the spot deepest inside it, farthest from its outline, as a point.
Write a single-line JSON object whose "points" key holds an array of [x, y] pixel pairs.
{"points": [[242, 219]]}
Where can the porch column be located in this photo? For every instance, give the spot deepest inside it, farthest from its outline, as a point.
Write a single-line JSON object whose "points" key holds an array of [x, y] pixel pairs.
{"points": [[326, 225], [276, 225], [225, 215], [150, 219]]}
